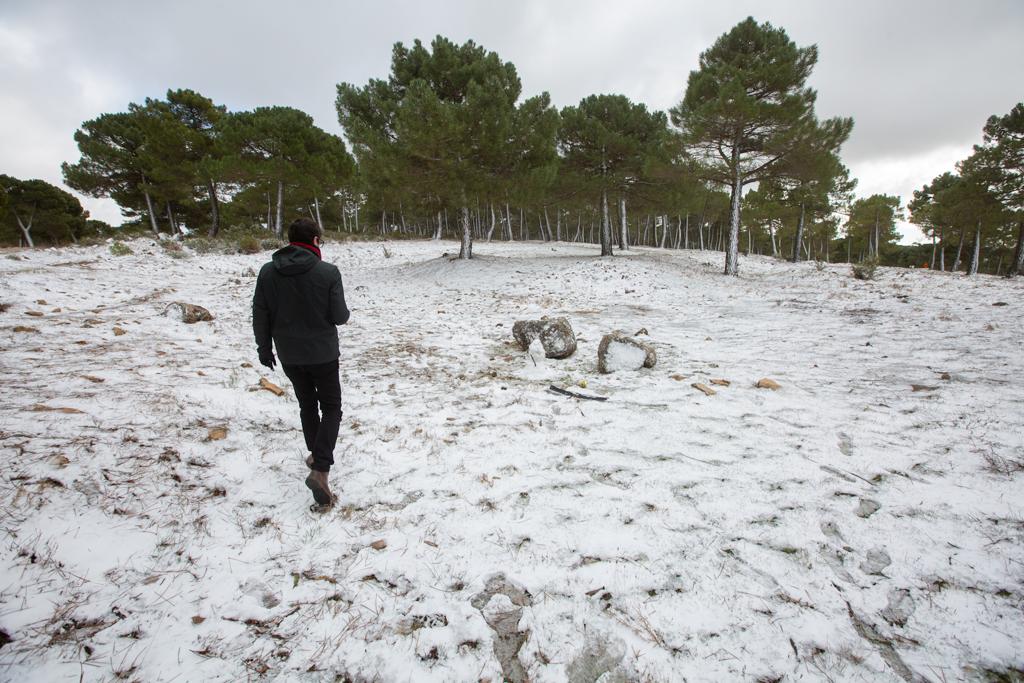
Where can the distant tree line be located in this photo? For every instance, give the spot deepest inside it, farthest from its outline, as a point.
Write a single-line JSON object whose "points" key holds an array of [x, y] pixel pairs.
{"points": [[975, 216], [444, 145]]}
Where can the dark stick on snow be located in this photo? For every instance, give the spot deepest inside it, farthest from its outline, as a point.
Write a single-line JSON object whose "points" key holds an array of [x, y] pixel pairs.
{"points": [[565, 392]]}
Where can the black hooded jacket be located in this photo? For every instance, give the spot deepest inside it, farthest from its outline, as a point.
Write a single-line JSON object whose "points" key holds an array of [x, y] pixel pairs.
{"points": [[299, 301]]}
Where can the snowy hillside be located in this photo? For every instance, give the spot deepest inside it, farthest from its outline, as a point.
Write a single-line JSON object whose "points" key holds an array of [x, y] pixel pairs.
{"points": [[864, 521]]}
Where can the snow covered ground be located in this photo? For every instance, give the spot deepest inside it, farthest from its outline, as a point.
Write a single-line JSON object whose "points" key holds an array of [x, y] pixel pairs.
{"points": [[862, 522]]}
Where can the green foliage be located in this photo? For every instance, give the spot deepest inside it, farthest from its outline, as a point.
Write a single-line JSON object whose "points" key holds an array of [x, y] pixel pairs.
{"points": [[120, 249], [747, 116], [865, 269], [444, 129], [248, 244], [34, 211], [608, 142], [871, 227]]}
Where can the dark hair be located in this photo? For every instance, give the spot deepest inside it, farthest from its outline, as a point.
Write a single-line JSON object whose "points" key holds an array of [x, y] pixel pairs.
{"points": [[303, 230]]}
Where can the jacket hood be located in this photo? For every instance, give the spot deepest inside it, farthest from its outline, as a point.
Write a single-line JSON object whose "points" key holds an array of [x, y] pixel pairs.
{"points": [[293, 260]]}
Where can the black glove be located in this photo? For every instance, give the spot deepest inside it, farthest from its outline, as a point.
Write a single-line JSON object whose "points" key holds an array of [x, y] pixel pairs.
{"points": [[267, 359]]}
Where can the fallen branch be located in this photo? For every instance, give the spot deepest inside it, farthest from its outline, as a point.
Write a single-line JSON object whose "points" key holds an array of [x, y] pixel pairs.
{"points": [[565, 392]]}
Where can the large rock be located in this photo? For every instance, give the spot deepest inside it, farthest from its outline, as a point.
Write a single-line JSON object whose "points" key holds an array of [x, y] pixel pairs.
{"points": [[187, 313], [555, 335], [619, 351]]}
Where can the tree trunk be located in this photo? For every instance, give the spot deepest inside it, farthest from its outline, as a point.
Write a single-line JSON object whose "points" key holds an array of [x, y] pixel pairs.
{"points": [[942, 250], [972, 268], [211, 187], [152, 214], [606, 230], [959, 251], [558, 225], [931, 265], [344, 217], [466, 250], [1017, 265], [279, 219], [664, 230], [437, 233], [508, 223], [547, 223], [732, 255], [491, 231], [170, 220], [798, 238], [26, 229], [316, 208], [877, 251], [771, 232], [356, 216], [623, 226]]}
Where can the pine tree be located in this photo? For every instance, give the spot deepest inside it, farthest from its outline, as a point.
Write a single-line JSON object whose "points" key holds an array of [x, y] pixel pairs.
{"points": [[279, 149], [607, 143], [445, 126], [746, 109], [114, 163], [34, 208], [1004, 155]]}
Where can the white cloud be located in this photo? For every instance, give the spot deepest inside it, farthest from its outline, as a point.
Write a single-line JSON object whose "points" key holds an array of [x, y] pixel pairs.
{"points": [[904, 174]]}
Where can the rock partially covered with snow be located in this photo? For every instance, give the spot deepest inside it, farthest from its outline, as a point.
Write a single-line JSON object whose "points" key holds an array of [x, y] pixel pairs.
{"points": [[876, 561], [555, 334], [618, 351], [900, 607], [187, 313]]}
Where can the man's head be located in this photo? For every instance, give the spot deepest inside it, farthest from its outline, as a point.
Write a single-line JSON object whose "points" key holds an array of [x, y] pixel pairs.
{"points": [[303, 230]]}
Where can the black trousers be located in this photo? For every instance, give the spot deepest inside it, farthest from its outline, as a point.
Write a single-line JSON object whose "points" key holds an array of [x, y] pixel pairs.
{"points": [[318, 391]]}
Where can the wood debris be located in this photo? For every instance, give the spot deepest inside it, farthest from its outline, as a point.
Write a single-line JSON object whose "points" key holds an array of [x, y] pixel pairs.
{"points": [[703, 387], [271, 387]]}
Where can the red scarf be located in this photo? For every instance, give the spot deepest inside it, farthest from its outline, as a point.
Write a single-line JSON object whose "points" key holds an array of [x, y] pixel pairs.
{"points": [[311, 247]]}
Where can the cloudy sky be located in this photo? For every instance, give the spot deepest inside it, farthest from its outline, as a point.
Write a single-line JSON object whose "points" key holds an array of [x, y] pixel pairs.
{"points": [[919, 78]]}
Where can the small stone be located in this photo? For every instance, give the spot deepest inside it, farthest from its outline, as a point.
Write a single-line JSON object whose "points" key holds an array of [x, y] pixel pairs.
{"points": [[379, 545], [867, 507], [582, 384], [119, 332], [42, 302], [641, 331], [188, 313], [217, 434], [946, 376], [34, 314], [23, 328], [876, 561], [721, 382], [766, 383], [198, 620], [677, 377], [94, 380], [922, 387], [703, 387]]}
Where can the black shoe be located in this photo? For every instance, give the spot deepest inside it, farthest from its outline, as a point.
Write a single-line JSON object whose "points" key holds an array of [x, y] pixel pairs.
{"points": [[317, 483]]}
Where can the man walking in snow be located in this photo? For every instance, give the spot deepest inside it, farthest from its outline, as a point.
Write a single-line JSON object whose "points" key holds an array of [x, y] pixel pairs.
{"points": [[299, 302]]}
